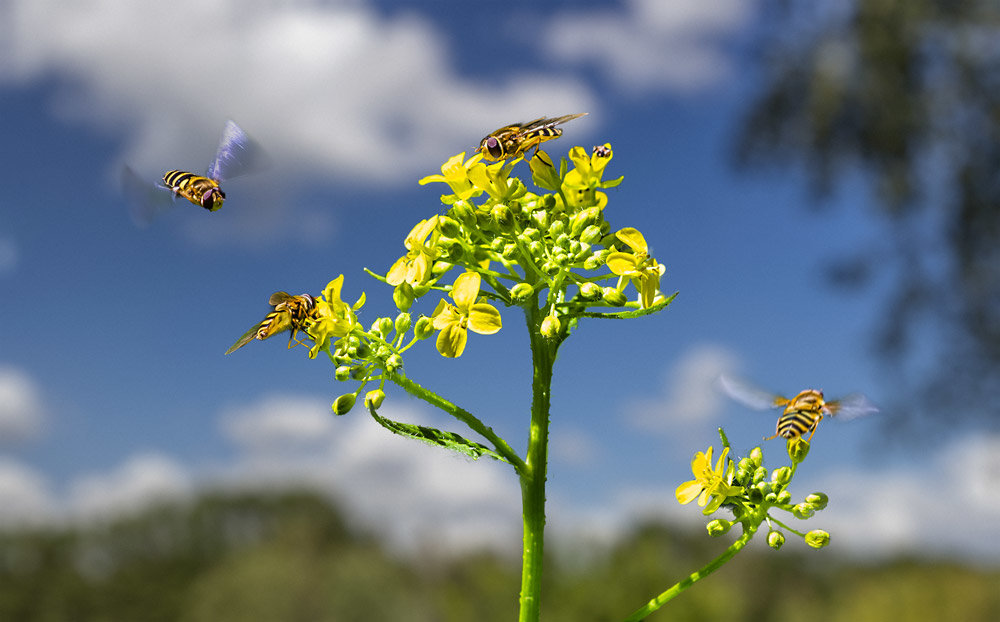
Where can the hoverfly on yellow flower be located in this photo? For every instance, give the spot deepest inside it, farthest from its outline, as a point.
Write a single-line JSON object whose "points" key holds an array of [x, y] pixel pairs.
{"points": [[512, 140], [289, 313], [800, 414]]}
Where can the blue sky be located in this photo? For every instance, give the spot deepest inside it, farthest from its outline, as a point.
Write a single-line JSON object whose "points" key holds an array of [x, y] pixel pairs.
{"points": [[113, 387]]}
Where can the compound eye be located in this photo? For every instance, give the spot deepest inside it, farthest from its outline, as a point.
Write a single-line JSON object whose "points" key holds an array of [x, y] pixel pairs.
{"points": [[494, 148]]}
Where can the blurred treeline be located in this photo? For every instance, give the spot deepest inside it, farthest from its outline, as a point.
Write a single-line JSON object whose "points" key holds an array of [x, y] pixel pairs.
{"points": [[293, 557]]}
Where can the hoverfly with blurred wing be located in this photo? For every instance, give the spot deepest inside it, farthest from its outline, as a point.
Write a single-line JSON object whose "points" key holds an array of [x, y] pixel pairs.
{"points": [[801, 413], [512, 140], [289, 313], [236, 155]]}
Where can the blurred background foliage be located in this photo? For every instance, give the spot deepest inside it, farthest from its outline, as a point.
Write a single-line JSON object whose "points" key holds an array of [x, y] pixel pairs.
{"points": [[292, 557], [903, 97]]}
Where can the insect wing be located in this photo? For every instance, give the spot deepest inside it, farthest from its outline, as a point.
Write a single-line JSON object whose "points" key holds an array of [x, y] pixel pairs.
{"points": [[543, 122], [145, 200], [237, 154], [246, 338], [279, 297], [852, 406], [749, 395]]}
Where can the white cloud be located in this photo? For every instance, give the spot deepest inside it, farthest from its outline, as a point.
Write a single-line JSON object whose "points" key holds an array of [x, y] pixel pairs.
{"points": [[653, 44], [142, 480], [25, 496], [690, 396], [21, 411]]}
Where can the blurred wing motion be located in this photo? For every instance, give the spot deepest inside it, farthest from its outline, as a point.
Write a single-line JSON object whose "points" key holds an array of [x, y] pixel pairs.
{"points": [[145, 200], [512, 140], [851, 407], [237, 154], [749, 395], [289, 313]]}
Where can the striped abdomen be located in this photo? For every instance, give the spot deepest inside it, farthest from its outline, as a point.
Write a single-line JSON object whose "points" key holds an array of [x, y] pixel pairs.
{"points": [[200, 190]]}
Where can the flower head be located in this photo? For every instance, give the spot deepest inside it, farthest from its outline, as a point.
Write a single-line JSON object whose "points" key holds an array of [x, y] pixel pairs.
{"points": [[455, 173], [415, 266], [643, 270], [332, 318], [454, 320], [708, 482]]}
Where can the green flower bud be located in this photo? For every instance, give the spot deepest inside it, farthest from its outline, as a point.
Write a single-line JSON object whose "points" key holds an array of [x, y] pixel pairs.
{"points": [[540, 218], [763, 486], [403, 296], [591, 235], [745, 464], [374, 399], [756, 496], [448, 227], [759, 475], [454, 252], [360, 352], [583, 220], [558, 228], [463, 212], [386, 325], [393, 363], [817, 538], [757, 456], [718, 527], [536, 249], [342, 373], [590, 291], [531, 233], [497, 244], [521, 291], [403, 323], [344, 404], [424, 327], [775, 539], [614, 297], [784, 497], [550, 326], [502, 215], [803, 511], [781, 476], [593, 262], [771, 498], [509, 251], [818, 500], [798, 449], [420, 289]]}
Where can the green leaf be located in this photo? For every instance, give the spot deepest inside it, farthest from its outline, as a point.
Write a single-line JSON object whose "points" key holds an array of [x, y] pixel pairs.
{"points": [[441, 438]]}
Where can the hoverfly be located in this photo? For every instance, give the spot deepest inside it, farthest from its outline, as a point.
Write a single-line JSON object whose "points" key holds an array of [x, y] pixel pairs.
{"points": [[801, 413], [289, 313], [512, 140], [236, 155]]}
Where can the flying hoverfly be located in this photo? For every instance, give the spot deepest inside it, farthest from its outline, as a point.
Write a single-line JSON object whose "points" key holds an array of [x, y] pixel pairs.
{"points": [[512, 140], [801, 413], [289, 313], [236, 155]]}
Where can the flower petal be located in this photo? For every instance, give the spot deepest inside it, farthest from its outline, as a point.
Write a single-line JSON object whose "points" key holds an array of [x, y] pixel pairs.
{"points": [[688, 491], [465, 289], [622, 264], [633, 237], [484, 319], [451, 340]]}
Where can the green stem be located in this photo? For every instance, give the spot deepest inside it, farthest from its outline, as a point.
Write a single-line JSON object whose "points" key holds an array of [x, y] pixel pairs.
{"points": [[543, 352], [465, 417], [749, 529]]}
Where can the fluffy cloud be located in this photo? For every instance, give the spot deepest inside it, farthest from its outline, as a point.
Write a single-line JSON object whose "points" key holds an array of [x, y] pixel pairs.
{"points": [[654, 44], [21, 412], [141, 481], [25, 496]]}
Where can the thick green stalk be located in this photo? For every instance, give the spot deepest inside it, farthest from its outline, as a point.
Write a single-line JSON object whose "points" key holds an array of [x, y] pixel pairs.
{"points": [[533, 478]]}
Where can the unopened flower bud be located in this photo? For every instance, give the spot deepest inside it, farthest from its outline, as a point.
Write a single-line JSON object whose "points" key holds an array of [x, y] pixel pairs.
{"points": [[817, 538], [775, 539], [521, 291], [550, 326], [718, 527], [403, 296], [540, 218], [374, 399], [614, 297], [464, 213], [403, 323], [424, 327], [755, 495], [818, 500], [798, 449], [448, 227], [803, 511], [781, 476], [531, 233], [757, 456], [393, 363], [591, 235], [342, 373], [593, 262], [759, 475], [590, 291], [385, 325], [557, 229], [784, 497], [344, 404], [502, 215]]}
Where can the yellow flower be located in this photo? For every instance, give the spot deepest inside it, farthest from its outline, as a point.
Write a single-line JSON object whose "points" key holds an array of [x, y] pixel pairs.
{"points": [[455, 173], [454, 320], [332, 316], [415, 266], [638, 266], [708, 482]]}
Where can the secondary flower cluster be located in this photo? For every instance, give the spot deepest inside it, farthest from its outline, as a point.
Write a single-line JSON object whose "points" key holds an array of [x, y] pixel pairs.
{"points": [[750, 491]]}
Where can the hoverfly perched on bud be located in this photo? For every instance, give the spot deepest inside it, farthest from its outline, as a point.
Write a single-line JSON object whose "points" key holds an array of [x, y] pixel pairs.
{"points": [[290, 313], [801, 413], [236, 155], [512, 140]]}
